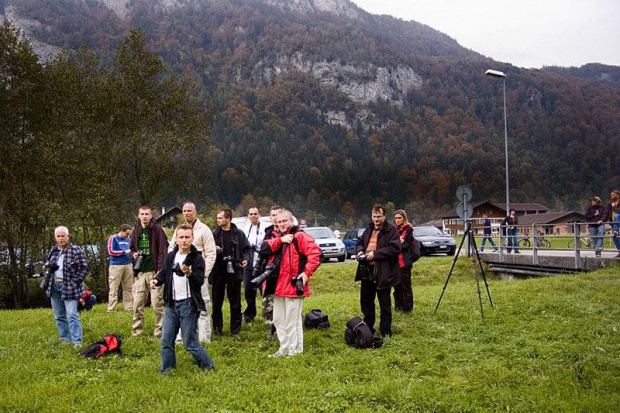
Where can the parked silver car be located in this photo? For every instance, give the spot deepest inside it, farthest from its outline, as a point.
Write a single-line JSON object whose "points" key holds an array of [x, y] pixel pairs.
{"points": [[330, 245]]}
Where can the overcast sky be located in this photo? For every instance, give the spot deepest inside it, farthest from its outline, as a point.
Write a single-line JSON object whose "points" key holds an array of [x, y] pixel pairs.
{"points": [[525, 33]]}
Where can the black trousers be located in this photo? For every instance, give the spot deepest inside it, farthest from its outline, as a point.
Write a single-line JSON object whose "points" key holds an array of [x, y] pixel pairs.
{"points": [[403, 293], [250, 294], [368, 292], [229, 285]]}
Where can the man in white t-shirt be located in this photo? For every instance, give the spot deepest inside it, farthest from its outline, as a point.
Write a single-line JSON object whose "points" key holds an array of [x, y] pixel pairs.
{"points": [[182, 276], [255, 233]]}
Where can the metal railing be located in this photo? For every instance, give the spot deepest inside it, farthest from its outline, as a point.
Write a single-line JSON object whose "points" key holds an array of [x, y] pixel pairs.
{"points": [[537, 237]]}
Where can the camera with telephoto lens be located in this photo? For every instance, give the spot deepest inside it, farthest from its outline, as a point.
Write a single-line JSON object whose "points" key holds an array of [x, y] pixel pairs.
{"points": [[298, 283], [138, 264], [230, 269], [270, 270]]}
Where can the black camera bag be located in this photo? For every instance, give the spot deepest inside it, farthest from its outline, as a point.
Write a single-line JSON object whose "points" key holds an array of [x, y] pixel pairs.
{"points": [[316, 319], [358, 335]]}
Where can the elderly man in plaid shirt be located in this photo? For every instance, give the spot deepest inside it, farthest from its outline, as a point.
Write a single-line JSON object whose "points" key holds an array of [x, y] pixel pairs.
{"points": [[67, 268]]}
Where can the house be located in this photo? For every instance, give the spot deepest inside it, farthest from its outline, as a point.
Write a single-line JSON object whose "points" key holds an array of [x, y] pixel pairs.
{"points": [[529, 213], [552, 223], [170, 218]]}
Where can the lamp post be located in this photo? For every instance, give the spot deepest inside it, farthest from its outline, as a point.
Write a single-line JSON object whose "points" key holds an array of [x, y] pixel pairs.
{"points": [[497, 73]]}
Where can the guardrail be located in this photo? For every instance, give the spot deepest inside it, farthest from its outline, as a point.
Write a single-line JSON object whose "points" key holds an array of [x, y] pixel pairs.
{"points": [[537, 237]]}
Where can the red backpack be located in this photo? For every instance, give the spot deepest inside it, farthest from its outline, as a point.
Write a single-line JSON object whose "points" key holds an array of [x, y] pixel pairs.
{"points": [[111, 343]]}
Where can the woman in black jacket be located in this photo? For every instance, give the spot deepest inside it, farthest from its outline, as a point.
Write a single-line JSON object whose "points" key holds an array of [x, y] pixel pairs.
{"points": [[403, 293]]}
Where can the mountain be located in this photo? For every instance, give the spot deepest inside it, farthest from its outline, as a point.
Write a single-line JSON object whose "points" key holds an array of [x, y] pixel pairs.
{"points": [[325, 108], [591, 71]]}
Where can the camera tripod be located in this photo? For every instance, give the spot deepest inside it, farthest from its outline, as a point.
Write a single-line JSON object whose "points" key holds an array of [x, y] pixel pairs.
{"points": [[472, 243]]}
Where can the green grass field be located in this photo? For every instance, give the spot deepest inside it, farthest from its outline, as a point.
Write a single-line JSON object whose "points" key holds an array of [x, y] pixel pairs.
{"points": [[550, 344]]}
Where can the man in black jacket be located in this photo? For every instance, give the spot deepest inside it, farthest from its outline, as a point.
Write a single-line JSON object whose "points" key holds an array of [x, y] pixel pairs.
{"points": [[377, 251], [182, 276], [234, 252]]}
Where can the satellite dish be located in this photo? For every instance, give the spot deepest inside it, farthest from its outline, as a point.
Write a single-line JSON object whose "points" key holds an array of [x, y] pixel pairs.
{"points": [[463, 193]]}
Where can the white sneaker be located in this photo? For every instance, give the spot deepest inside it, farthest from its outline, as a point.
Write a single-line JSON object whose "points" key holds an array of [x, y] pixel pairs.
{"points": [[278, 353]]}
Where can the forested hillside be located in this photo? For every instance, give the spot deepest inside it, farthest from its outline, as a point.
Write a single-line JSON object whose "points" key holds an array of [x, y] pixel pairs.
{"points": [[327, 113]]}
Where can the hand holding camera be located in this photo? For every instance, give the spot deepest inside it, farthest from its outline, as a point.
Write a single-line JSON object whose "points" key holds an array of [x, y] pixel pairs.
{"points": [[50, 268], [299, 282], [184, 269], [139, 260]]}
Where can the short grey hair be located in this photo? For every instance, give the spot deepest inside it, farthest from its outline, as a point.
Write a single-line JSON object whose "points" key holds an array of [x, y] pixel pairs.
{"points": [[61, 230]]}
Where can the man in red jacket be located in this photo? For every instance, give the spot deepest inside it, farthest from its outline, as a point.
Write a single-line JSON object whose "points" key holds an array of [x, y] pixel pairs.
{"points": [[300, 259]]}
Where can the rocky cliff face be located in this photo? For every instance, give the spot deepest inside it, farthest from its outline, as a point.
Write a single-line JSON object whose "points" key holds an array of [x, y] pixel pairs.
{"points": [[45, 51], [343, 8], [361, 84]]}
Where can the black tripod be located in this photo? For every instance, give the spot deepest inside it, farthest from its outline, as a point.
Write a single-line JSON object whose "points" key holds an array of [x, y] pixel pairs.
{"points": [[472, 243]]}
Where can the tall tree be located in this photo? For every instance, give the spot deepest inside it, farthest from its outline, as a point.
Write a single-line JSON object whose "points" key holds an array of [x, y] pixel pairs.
{"points": [[23, 190], [160, 132]]}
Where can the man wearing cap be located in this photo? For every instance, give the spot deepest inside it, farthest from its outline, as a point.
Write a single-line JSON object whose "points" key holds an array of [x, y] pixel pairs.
{"points": [[613, 216], [595, 215]]}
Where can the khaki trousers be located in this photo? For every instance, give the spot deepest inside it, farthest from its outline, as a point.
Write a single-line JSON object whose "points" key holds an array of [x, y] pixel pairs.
{"points": [[140, 292], [120, 275], [288, 323]]}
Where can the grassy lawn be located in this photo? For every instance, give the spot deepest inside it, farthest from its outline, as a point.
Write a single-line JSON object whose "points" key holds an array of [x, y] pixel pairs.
{"points": [[550, 344]]}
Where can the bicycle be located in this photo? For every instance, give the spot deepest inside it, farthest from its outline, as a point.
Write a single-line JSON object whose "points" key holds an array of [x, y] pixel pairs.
{"points": [[541, 242], [584, 242]]}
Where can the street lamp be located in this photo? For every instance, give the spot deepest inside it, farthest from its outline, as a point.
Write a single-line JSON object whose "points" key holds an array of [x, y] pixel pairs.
{"points": [[497, 73]]}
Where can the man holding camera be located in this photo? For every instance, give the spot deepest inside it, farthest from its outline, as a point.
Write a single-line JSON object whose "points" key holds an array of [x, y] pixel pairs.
{"points": [[66, 269], [233, 255], [255, 233], [205, 244], [182, 276], [149, 246], [300, 259], [378, 270]]}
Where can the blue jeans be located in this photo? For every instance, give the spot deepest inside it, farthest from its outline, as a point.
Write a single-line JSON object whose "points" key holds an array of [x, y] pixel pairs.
{"points": [[88, 304], [597, 234], [615, 230], [484, 241], [66, 315], [513, 240], [183, 315]]}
